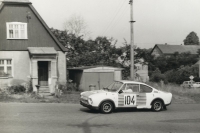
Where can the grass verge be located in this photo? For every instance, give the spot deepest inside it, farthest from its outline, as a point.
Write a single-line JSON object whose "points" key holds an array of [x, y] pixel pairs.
{"points": [[72, 97], [180, 95]]}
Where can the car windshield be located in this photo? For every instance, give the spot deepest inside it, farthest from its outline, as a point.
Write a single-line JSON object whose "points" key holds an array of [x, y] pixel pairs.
{"points": [[114, 86]]}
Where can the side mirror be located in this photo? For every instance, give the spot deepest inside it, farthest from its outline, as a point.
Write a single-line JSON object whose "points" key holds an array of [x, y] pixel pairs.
{"points": [[121, 91]]}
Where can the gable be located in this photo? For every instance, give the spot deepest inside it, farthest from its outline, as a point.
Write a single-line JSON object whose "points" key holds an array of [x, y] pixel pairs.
{"points": [[156, 51], [38, 32]]}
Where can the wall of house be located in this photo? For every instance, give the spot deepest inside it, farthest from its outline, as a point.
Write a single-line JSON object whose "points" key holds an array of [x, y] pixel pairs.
{"points": [[20, 67], [62, 67], [38, 36]]}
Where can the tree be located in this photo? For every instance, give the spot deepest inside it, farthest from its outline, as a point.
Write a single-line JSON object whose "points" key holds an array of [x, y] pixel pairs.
{"points": [[100, 51], [191, 39], [76, 25]]}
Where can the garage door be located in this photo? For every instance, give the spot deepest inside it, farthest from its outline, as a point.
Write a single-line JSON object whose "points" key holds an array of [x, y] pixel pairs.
{"points": [[101, 79]]}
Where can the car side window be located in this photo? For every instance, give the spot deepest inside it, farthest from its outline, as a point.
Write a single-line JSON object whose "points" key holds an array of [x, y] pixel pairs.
{"points": [[145, 89], [133, 87]]}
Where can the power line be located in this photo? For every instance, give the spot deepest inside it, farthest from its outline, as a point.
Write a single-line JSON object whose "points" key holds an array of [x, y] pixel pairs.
{"points": [[121, 16], [118, 22], [114, 16]]}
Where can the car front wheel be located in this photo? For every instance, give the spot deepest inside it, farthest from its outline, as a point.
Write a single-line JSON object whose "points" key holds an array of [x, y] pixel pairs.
{"points": [[106, 107], [157, 105]]}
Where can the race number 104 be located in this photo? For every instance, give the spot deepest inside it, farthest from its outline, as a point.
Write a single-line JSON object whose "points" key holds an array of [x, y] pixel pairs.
{"points": [[129, 99]]}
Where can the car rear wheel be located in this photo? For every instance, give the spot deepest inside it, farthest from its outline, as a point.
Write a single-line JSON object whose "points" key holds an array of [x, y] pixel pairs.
{"points": [[106, 107], [157, 105]]}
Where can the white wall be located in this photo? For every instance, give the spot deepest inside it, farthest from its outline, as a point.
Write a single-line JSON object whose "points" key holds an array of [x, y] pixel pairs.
{"points": [[62, 67], [21, 66]]}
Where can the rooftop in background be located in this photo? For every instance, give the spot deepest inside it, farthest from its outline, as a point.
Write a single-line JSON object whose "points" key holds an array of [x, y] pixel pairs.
{"points": [[171, 49]]}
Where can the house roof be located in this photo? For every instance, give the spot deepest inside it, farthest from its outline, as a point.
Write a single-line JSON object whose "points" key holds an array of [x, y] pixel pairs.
{"points": [[171, 49], [42, 50], [19, 1], [26, 2]]}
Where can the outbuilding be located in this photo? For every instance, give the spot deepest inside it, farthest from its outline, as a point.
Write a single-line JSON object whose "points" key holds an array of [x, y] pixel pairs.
{"points": [[94, 77]]}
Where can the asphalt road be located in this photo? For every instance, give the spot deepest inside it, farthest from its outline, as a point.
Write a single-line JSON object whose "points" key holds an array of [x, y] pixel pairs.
{"points": [[73, 118]]}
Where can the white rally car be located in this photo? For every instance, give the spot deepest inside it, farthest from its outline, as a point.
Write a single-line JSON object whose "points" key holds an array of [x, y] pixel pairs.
{"points": [[126, 94]]}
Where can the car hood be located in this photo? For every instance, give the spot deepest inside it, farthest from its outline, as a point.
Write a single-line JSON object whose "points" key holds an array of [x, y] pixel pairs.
{"points": [[88, 93]]}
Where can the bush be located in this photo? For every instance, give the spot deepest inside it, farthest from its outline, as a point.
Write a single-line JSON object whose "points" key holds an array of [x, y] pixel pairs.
{"points": [[182, 74], [157, 77], [72, 87], [196, 79], [29, 86], [66, 88], [17, 89]]}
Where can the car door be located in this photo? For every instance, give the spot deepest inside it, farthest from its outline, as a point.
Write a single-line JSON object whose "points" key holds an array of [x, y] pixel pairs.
{"points": [[127, 95], [145, 96]]}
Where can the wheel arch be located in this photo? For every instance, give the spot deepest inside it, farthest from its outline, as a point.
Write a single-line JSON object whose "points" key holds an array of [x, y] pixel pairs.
{"points": [[158, 99], [109, 100]]}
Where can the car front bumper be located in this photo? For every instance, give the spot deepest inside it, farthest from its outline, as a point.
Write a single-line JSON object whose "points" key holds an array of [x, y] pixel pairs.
{"points": [[88, 106]]}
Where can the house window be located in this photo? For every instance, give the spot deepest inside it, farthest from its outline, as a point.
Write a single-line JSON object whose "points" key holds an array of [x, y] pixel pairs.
{"points": [[6, 68], [16, 30]]}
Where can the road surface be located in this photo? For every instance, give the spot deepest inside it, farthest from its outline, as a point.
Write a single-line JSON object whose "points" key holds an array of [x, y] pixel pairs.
{"points": [[73, 118]]}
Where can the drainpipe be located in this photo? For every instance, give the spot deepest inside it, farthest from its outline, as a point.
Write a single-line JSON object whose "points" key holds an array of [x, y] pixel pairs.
{"points": [[57, 67], [66, 68], [199, 66]]}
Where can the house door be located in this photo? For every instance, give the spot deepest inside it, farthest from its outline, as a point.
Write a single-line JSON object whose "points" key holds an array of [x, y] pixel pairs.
{"points": [[43, 73]]}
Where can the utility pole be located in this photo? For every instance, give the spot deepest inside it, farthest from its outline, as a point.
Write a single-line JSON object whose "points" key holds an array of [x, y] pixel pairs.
{"points": [[132, 47], [199, 66]]}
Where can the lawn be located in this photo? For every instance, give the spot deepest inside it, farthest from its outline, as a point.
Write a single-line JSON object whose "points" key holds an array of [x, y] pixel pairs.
{"points": [[71, 97], [180, 95]]}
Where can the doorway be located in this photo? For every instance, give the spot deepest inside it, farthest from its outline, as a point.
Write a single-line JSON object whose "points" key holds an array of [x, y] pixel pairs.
{"points": [[43, 73]]}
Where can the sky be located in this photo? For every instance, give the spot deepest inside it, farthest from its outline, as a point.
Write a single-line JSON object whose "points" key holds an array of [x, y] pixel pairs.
{"points": [[157, 21]]}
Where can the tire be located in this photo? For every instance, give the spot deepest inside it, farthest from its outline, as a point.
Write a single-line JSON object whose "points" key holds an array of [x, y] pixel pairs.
{"points": [[157, 105], [106, 107], [164, 108]]}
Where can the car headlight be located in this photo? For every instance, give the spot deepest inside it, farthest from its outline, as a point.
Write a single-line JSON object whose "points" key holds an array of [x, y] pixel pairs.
{"points": [[90, 101]]}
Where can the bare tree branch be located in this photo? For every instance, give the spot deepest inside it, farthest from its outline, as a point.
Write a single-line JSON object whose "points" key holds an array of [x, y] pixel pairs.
{"points": [[76, 25]]}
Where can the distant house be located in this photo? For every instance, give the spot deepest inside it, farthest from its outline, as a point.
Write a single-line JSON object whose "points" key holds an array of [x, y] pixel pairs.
{"points": [[28, 49], [167, 50]]}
